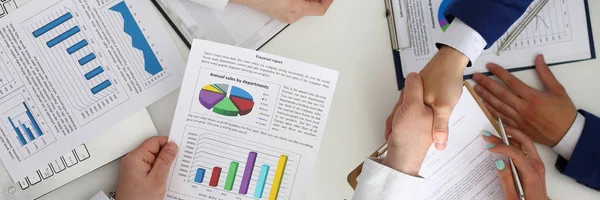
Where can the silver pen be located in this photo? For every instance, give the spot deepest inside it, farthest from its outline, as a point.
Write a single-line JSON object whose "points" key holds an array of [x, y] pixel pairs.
{"points": [[513, 36], [515, 174]]}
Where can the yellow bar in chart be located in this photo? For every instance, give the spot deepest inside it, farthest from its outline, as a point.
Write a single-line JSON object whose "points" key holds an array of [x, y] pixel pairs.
{"points": [[278, 177]]}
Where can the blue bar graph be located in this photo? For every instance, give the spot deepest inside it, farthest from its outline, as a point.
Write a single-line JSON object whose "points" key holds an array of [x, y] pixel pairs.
{"points": [[53, 24], [19, 134], [98, 88], [199, 175], [87, 59], [27, 132], [62, 37], [262, 179], [77, 46], [94, 73], [34, 123]]}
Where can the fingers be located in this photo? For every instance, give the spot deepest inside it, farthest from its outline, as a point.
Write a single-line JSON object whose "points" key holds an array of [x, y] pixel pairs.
{"points": [[526, 142], [160, 169], [499, 105], [511, 81], [506, 179], [496, 90], [317, 8], [413, 90], [497, 114], [440, 127], [518, 156], [149, 148], [546, 75]]}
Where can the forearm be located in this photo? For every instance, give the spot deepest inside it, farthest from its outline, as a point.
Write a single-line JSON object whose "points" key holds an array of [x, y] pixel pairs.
{"points": [[449, 60]]}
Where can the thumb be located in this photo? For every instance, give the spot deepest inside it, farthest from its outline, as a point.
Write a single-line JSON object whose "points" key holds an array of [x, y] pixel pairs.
{"points": [[163, 162], [440, 127], [546, 75]]}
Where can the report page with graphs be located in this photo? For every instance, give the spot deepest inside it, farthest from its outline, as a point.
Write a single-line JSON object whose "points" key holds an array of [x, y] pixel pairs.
{"points": [[70, 69], [248, 125], [559, 31]]}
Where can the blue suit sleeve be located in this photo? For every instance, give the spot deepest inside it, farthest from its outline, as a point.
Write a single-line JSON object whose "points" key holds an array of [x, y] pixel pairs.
{"points": [[584, 165], [490, 18]]}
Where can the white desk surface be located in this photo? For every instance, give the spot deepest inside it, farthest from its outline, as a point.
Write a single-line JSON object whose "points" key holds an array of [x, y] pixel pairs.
{"points": [[353, 39]]}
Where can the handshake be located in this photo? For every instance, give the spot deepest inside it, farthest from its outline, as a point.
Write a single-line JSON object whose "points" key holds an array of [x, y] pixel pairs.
{"points": [[420, 118]]}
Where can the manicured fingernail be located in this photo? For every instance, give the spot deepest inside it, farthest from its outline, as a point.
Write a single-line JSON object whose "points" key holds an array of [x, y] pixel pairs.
{"points": [[440, 146], [487, 146], [171, 148], [487, 133], [500, 165]]}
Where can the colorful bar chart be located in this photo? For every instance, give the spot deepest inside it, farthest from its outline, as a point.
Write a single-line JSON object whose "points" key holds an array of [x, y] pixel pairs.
{"points": [[262, 179], [53, 24], [278, 177], [231, 175], [199, 175], [214, 178], [248, 173], [77, 46], [101, 86], [27, 131]]}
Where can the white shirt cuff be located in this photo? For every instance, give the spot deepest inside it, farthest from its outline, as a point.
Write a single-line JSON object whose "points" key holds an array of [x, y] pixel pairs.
{"points": [[463, 38], [213, 4], [378, 181], [566, 145]]}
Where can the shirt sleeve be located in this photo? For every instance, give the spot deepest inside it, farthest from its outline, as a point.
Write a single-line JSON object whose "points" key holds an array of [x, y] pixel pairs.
{"points": [[566, 145], [378, 181], [464, 39], [213, 4], [100, 196]]}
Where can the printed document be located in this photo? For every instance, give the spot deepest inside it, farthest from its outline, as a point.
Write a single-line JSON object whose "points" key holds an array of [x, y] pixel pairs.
{"points": [[466, 169], [559, 31], [248, 125], [237, 25], [73, 68]]}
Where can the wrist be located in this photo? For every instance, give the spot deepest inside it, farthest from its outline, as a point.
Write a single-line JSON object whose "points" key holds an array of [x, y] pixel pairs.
{"points": [[454, 59], [406, 162]]}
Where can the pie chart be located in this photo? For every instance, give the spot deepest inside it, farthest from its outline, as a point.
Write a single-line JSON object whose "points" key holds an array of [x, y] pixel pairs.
{"points": [[223, 101], [441, 18]]}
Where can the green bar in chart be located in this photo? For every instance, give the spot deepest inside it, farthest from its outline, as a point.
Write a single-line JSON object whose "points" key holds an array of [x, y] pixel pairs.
{"points": [[233, 167]]}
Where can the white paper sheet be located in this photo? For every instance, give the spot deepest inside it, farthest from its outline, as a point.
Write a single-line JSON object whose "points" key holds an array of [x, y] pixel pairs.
{"points": [[236, 25], [276, 121], [466, 169], [559, 32], [54, 96]]}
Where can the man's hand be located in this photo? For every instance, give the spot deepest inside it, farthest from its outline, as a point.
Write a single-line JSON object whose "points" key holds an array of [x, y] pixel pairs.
{"points": [[443, 81], [288, 11], [410, 135], [143, 172], [544, 116]]}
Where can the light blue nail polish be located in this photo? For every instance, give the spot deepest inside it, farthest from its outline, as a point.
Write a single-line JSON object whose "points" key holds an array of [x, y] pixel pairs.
{"points": [[500, 165], [487, 146], [487, 133]]}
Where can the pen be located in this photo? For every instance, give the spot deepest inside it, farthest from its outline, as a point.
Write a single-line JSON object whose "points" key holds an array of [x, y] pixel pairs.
{"points": [[515, 174], [513, 36]]}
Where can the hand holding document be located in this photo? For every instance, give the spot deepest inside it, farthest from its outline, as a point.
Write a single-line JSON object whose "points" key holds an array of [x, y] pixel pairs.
{"points": [[248, 124]]}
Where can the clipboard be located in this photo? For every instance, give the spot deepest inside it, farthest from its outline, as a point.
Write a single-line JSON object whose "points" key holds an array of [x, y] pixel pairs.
{"points": [[352, 177], [396, 47], [180, 33]]}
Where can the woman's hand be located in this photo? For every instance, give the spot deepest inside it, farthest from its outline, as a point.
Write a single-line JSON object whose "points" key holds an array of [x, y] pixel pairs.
{"points": [[527, 161], [288, 11]]}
